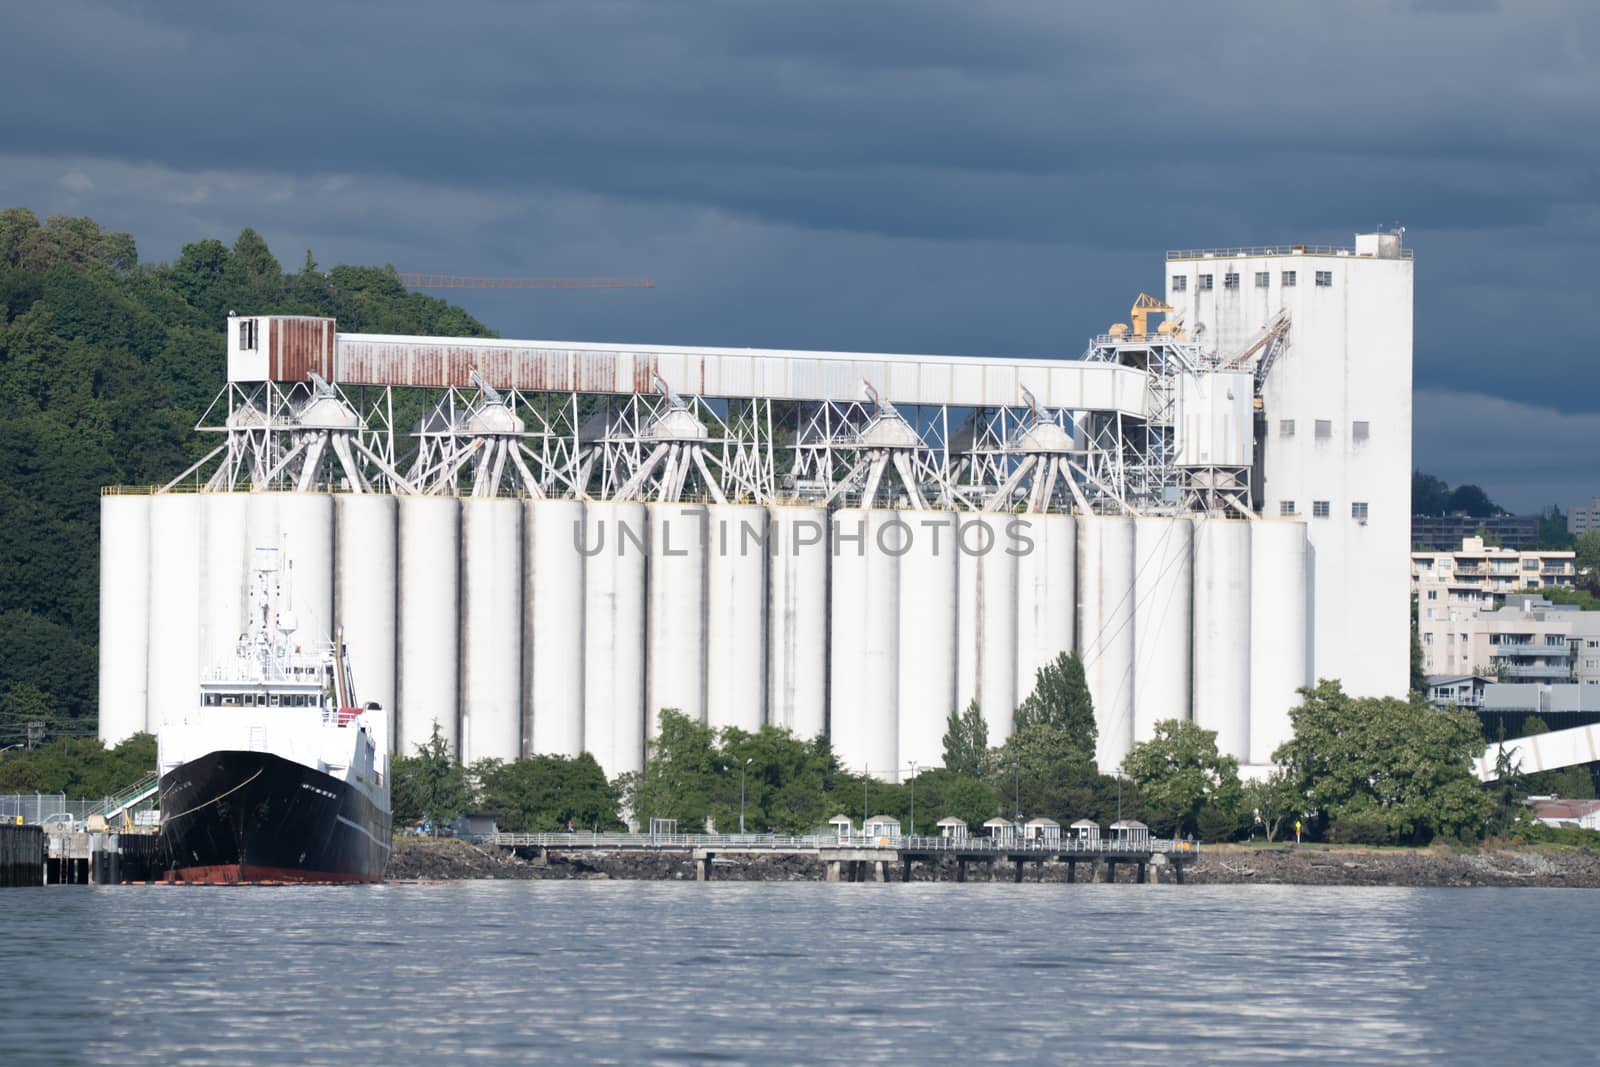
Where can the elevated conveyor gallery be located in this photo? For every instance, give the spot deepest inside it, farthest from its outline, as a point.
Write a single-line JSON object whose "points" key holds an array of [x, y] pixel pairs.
{"points": [[1541, 752]]}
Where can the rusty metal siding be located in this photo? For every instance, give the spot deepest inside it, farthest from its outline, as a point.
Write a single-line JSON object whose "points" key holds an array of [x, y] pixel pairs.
{"points": [[298, 346], [369, 359]]}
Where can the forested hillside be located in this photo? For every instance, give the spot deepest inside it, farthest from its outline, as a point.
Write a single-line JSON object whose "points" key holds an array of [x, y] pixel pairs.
{"points": [[106, 364]]}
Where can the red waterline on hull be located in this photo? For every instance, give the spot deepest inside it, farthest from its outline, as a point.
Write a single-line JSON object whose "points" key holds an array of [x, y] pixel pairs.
{"points": [[249, 874]]}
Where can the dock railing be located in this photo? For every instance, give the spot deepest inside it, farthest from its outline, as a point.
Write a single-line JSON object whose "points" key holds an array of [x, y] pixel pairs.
{"points": [[585, 839]]}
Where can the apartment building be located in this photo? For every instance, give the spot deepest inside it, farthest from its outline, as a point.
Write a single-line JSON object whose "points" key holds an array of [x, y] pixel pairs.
{"points": [[1528, 640], [1477, 576], [1581, 519], [1441, 531]]}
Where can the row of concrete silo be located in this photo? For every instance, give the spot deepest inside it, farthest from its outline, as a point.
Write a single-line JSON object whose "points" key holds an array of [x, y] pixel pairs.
{"points": [[561, 626]]}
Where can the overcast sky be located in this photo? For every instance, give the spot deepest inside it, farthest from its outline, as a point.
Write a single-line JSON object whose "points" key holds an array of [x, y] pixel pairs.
{"points": [[982, 178]]}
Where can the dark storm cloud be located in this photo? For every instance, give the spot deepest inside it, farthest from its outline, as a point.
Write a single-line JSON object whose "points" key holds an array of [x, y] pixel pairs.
{"points": [[996, 177]]}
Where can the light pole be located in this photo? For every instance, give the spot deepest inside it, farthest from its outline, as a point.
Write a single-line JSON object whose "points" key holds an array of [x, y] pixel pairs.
{"points": [[1016, 789], [866, 776], [1119, 792], [741, 793], [913, 798]]}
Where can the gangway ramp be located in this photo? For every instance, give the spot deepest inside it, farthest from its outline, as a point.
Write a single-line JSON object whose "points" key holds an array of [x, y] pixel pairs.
{"points": [[1541, 752], [131, 797]]}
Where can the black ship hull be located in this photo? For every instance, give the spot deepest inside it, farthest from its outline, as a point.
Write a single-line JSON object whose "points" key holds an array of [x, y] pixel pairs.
{"points": [[251, 817]]}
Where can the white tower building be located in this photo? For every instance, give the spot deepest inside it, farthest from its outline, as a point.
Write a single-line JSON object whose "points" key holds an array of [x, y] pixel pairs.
{"points": [[1334, 429]]}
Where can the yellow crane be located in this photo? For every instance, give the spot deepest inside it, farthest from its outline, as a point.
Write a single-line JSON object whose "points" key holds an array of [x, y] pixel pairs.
{"points": [[1142, 308]]}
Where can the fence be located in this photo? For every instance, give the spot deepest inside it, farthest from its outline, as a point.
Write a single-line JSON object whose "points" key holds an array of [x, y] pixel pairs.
{"points": [[36, 807]]}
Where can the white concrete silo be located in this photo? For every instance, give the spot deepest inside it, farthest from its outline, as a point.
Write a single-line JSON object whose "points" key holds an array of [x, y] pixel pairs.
{"points": [[1163, 582], [927, 655], [1047, 593], [616, 535], [797, 620], [1280, 637], [986, 613], [997, 613], [1105, 629], [364, 583], [1222, 632], [863, 715], [675, 666], [736, 606], [491, 629], [225, 551], [552, 633], [305, 530], [174, 666], [428, 604], [124, 615]]}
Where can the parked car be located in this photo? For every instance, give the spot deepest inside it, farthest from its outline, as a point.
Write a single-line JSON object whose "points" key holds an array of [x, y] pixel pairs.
{"points": [[60, 822]]}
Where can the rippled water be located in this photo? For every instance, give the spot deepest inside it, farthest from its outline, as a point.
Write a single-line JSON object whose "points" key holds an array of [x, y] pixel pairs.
{"points": [[619, 972]]}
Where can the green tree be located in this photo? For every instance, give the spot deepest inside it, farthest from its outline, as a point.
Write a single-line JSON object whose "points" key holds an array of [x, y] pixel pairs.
{"points": [[1180, 773], [1406, 761], [1061, 700], [966, 741], [680, 773], [1587, 548], [786, 780], [1043, 771], [1472, 500], [429, 785], [81, 767], [16, 224], [943, 793], [1553, 532], [255, 259], [1419, 676], [1270, 801], [542, 794], [1429, 495]]}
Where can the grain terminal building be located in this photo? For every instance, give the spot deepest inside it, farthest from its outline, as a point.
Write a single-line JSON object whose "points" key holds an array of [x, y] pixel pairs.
{"points": [[568, 537]]}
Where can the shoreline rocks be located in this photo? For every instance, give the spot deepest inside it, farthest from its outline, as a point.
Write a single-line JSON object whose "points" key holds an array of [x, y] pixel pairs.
{"points": [[454, 860]]}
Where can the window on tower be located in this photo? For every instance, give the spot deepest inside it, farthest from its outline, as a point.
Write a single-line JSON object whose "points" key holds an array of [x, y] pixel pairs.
{"points": [[1261, 279], [1285, 427], [1358, 511], [1325, 279], [1179, 283], [1319, 509], [1205, 281], [1286, 507], [1324, 428], [1360, 430], [1230, 280], [1288, 279]]}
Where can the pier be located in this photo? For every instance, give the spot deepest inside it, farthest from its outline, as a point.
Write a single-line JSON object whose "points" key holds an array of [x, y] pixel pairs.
{"points": [[857, 858]]}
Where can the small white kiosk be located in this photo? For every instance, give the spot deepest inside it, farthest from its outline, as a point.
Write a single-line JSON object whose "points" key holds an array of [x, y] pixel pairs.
{"points": [[842, 827], [1002, 832], [1130, 833], [882, 827], [1042, 833], [1085, 833], [953, 829]]}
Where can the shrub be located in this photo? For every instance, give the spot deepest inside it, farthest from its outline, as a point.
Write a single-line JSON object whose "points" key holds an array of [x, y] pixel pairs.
{"points": [[1361, 828]]}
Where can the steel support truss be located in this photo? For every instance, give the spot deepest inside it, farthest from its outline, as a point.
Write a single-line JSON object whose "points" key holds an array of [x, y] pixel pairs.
{"points": [[665, 447]]}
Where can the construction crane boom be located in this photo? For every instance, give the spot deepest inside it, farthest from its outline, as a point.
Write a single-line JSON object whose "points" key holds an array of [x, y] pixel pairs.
{"points": [[457, 281]]}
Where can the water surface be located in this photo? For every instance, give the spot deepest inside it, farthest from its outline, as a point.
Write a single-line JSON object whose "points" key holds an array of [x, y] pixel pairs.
{"points": [[654, 972]]}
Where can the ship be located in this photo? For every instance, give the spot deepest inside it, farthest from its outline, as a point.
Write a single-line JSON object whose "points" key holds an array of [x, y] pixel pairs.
{"points": [[276, 774]]}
